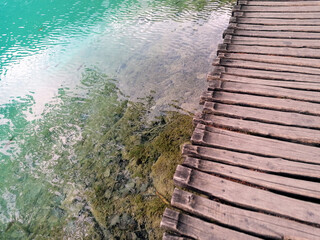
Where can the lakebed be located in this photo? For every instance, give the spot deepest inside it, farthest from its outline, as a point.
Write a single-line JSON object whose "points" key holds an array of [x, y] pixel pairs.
{"points": [[96, 100]]}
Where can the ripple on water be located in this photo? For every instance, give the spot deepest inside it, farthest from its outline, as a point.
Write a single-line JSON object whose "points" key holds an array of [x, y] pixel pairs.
{"points": [[164, 46]]}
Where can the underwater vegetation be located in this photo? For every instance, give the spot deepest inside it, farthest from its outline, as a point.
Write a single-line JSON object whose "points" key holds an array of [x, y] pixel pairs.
{"points": [[106, 166]]}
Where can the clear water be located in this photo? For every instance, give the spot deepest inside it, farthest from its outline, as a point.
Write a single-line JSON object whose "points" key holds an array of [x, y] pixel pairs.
{"points": [[46, 47]]}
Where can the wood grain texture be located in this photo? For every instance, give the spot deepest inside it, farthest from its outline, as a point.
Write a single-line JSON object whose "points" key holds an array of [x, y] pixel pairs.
{"points": [[299, 135], [198, 229], [272, 91], [275, 67], [263, 74], [252, 168], [269, 181], [168, 236], [246, 196], [283, 3], [282, 9], [274, 21], [262, 102], [288, 15], [275, 34], [262, 115], [308, 64], [266, 226], [267, 164], [214, 137], [263, 81], [286, 28], [281, 51]]}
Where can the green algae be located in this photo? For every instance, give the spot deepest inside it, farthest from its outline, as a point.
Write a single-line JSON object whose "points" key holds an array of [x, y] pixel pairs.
{"points": [[106, 167]]}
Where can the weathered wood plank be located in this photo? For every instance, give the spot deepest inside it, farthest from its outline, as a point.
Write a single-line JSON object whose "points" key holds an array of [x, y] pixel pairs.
{"points": [[307, 63], [265, 180], [264, 225], [285, 76], [274, 21], [281, 15], [263, 115], [254, 27], [300, 135], [283, 3], [275, 34], [266, 164], [282, 9], [275, 42], [281, 51], [265, 66], [248, 197], [271, 91], [198, 229], [168, 236], [262, 102], [210, 136], [266, 82]]}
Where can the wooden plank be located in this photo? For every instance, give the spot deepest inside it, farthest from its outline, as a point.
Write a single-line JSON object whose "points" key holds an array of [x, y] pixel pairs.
{"points": [[266, 226], [307, 63], [276, 67], [283, 9], [283, 3], [281, 51], [262, 102], [198, 229], [253, 27], [277, 21], [271, 91], [284, 76], [210, 136], [266, 164], [265, 82], [278, 34], [168, 236], [248, 197], [262, 115], [270, 42], [300, 135], [265, 180], [281, 15]]}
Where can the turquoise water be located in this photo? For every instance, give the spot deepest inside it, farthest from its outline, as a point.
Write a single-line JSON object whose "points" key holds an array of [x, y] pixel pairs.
{"points": [[56, 56]]}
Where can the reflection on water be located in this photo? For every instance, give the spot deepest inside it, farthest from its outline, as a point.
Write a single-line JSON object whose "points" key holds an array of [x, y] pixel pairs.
{"points": [[45, 101]]}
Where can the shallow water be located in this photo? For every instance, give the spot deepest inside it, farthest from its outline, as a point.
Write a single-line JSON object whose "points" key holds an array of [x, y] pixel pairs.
{"points": [[46, 49]]}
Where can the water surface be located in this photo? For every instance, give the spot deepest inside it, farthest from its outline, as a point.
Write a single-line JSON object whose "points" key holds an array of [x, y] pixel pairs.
{"points": [[55, 54]]}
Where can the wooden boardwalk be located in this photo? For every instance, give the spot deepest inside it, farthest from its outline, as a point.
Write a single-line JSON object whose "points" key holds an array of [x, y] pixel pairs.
{"points": [[253, 168]]}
